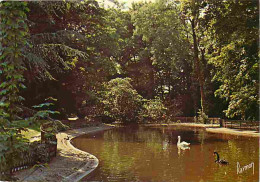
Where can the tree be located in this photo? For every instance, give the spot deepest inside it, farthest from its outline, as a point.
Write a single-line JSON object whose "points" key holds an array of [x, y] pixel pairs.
{"points": [[191, 12], [166, 49], [130, 53], [233, 28], [72, 46]]}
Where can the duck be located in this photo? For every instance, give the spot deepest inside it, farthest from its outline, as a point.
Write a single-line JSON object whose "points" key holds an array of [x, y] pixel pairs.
{"points": [[182, 144], [220, 161]]}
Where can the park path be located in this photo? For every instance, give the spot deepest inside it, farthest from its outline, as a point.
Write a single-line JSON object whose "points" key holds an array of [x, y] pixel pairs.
{"points": [[214, 128], [71, 164]]}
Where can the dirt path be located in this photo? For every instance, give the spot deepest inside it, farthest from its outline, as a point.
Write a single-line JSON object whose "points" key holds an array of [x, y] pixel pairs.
{"points": [[71, 164], [230, 131], [214, 128]]}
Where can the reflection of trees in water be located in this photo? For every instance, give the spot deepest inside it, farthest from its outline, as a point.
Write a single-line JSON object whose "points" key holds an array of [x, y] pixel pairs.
{"points": [[158, 135], [121, 163], [155, 142], [181, 150], [243, 151], [201, 137], [237, 149], [134, 135]]}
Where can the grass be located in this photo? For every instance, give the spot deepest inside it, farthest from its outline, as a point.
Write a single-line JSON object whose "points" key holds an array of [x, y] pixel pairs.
{"points": [[33, 130], [30, 134]]}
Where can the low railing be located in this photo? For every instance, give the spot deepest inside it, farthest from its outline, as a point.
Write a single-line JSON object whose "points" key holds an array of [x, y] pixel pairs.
{"points": [[241, 124], [236, 124], [27, 159], [22, 160], [42, 151], [192, 120]]}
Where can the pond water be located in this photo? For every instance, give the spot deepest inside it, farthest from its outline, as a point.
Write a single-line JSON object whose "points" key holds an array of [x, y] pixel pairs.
{"points": [[139, 153]]}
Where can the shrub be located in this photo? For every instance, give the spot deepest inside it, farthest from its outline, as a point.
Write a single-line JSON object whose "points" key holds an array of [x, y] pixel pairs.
{"points": [[195, 119], [203, 118], [178, 121], [120, 100], [153, 110]]}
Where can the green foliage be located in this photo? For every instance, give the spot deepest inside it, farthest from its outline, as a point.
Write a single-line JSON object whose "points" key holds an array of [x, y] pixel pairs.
{"points": [[44, 112], [153, 111], [191, 13], [239, 83], [178, 121], [80, 45], [121, 102], [202, 117], [43, 116], [14, 32], [235, 55], [164, 59], [13, 40], [164, 35], [67, 45], [72, 49]]}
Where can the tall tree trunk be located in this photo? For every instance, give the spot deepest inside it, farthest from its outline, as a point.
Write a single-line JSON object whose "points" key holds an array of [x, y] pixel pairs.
{"points": [[199, 73], [205, 72]]}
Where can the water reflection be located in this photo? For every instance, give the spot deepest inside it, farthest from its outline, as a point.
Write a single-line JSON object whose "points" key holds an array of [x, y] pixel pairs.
{"points": [[180, 148], [151, 154]]}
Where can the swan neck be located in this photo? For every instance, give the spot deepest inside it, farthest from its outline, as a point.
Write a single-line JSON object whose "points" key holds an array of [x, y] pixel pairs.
{"points": [[217, 156], [179, 140]]}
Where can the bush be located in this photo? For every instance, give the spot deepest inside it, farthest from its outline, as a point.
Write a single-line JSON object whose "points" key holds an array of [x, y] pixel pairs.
{"points": [[153, 110], [203, 118], [179, 121], [121, 101]]}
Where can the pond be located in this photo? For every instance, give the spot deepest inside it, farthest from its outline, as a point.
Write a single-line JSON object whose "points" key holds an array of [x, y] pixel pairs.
{"points": [[141, 153]]}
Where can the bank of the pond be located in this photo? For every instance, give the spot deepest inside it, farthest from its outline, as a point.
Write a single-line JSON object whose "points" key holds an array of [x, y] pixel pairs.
{"points": [[231, 131], [71, 164], [214, 128]]}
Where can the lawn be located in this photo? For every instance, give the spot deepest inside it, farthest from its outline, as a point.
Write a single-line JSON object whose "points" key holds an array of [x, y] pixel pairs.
{"points": [[33, 132]]}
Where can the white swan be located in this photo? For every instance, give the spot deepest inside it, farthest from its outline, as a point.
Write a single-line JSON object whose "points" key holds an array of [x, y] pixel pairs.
{"points": [[180, 148], [182, 144]]}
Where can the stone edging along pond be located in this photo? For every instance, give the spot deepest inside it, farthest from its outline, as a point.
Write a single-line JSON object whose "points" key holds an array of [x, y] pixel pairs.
{"points": [[92, 162]]}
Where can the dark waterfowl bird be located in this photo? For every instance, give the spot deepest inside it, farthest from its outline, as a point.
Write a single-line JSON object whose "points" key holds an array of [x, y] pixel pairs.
{"points": [[220, 161]]}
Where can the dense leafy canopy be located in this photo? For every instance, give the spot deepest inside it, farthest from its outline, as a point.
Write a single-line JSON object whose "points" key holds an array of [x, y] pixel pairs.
{"points": [[180, 51], [235, 54], [165, 57]]}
